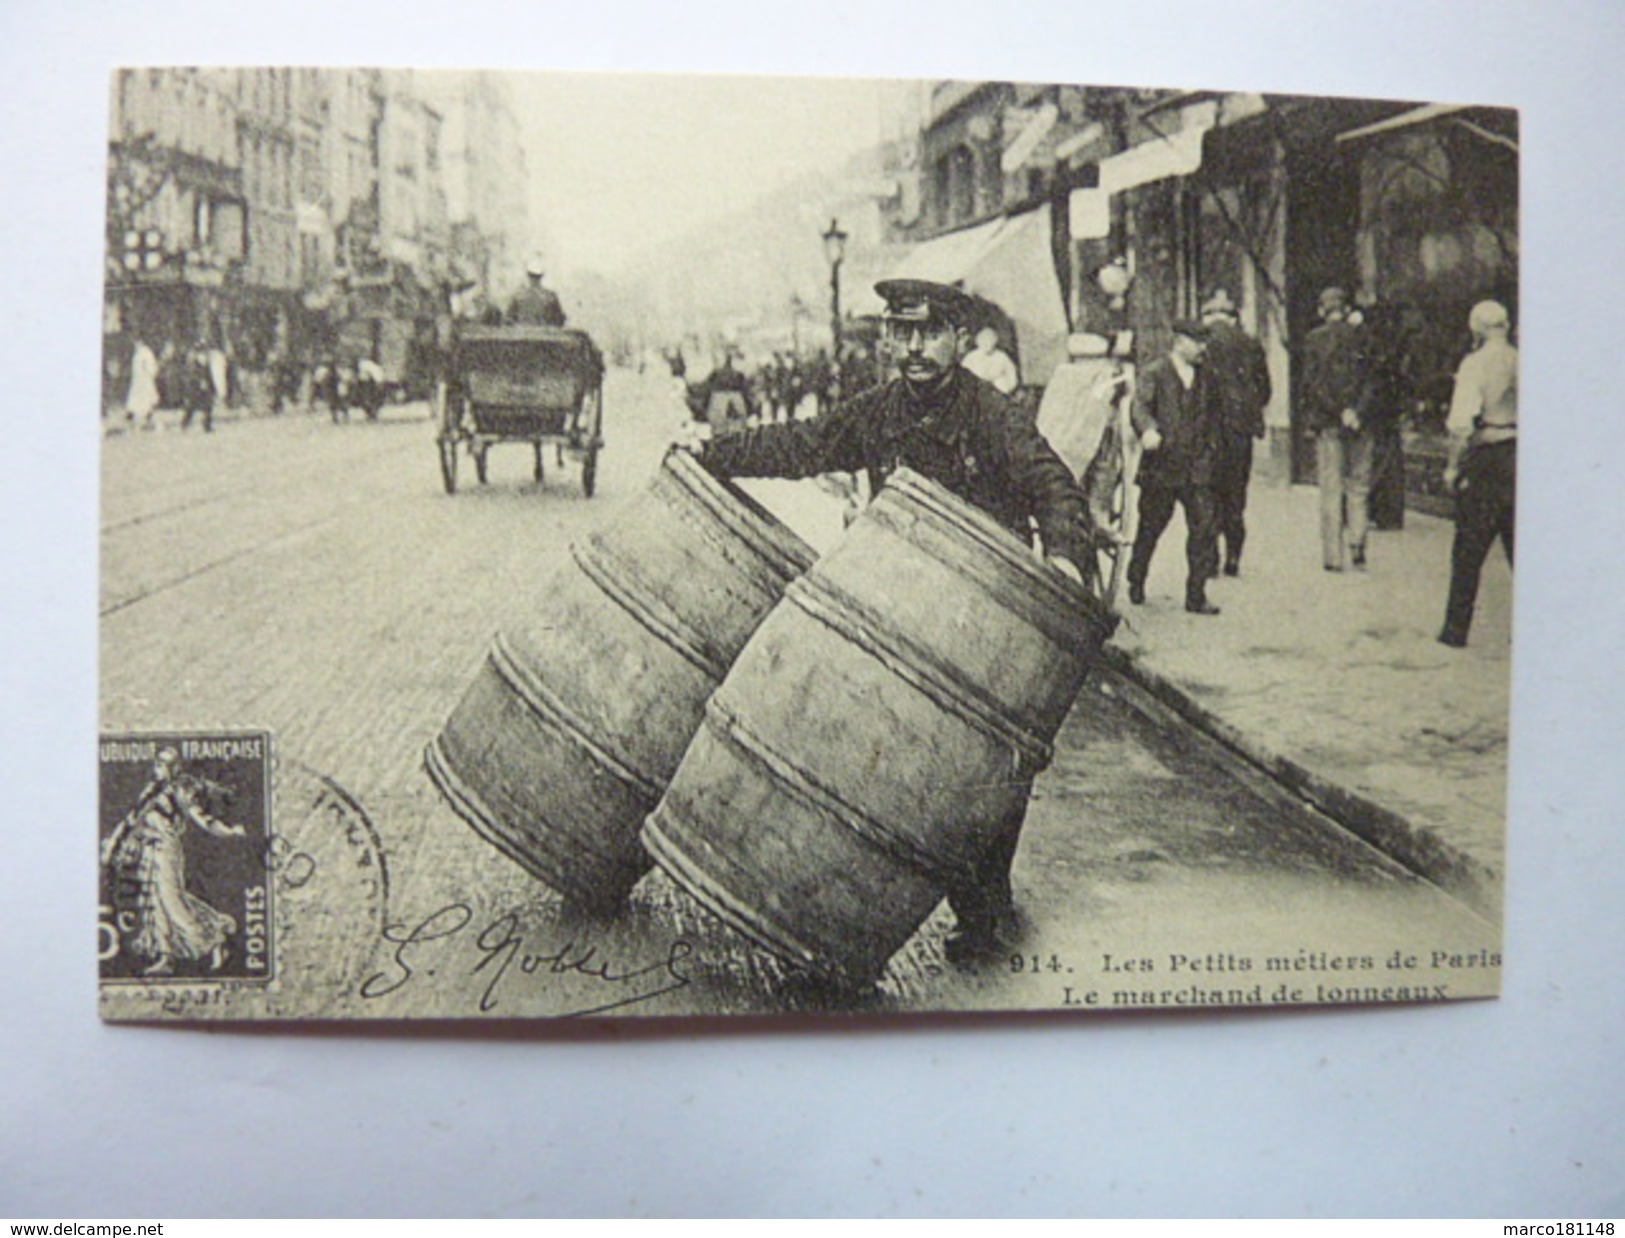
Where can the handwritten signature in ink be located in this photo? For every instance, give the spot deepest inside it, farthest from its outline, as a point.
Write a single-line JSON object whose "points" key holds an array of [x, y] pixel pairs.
{"points": [[505, 953]]}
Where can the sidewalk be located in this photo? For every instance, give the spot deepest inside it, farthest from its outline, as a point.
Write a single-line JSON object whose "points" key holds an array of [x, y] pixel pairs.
{"points": [[1336, 685], [167, 420]]}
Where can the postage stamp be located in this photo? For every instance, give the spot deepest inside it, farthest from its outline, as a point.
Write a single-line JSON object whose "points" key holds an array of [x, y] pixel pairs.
{"points": [[186, 848]]}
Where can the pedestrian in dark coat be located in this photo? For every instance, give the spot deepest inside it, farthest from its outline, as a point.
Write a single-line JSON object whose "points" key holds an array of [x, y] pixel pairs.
{"points": [[1173, 415], [197, 381], [1386, 346], [1338, 399], [1238, 381], [939, 420], [723, 399]]}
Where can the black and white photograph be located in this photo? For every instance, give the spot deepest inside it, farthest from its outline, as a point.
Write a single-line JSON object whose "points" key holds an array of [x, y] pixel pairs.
{"points": [[700, 533]]}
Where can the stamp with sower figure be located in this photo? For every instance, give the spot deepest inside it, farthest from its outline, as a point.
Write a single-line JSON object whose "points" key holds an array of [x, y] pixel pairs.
{"points": [[185, 843]]}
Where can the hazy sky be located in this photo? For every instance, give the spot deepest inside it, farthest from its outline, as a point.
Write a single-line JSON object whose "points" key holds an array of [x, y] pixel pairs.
{"points": [[621, 162]]}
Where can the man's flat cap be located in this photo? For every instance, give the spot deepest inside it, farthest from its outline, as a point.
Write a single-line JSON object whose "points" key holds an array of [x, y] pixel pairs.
{"points": [[917, 300], [1332, 299], [1489, 316], [1191, 329]]}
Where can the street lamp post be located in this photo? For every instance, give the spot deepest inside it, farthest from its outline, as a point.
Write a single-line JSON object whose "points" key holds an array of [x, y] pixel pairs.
{"points": [[834, 252]]}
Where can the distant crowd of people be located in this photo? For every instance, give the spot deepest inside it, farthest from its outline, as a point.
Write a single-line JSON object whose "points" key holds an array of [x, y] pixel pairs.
{"points": [[195, 379], [198, 382], [724, 394], [201, 379]]}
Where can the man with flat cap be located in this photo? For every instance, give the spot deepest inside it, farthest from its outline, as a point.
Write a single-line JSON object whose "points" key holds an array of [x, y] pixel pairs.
{"points": [[1174, 417], [940, 420]]}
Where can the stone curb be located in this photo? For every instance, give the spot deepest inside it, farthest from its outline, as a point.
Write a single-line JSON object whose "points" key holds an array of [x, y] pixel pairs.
{"points": [[1418, 849]]}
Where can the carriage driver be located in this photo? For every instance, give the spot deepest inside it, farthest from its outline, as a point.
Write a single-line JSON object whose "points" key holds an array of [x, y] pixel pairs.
{"points": [[536, 305], [940, 420]]}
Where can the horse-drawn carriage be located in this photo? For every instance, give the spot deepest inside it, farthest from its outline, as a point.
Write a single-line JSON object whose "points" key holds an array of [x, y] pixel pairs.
{"points": [[542, 386]]}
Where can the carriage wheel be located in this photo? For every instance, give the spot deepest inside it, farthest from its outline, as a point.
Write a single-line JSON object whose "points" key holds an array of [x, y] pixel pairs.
{"points": [[448, 464], [589, 472], [540, 471], [479, 463]]}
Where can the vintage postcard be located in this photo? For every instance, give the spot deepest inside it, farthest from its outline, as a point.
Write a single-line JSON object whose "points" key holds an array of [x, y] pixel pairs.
{"points": [[650, 546]]}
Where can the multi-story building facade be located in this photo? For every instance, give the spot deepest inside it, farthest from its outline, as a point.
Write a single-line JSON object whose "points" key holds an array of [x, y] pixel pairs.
{"points": [[411, 194], [294, 212], [484, 173], [265, 291], [177, 201], [267, 146]]}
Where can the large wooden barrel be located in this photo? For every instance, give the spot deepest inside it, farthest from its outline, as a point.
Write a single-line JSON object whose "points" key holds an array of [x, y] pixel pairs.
{"points": [[572, 727], [892, 709]]}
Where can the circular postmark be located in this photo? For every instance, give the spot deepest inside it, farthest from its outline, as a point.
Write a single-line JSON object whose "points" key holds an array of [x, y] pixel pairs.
{"points": [[332, 889]]}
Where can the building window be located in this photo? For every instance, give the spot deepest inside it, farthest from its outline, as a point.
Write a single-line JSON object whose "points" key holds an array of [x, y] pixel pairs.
{"points": [[953, 187], [962, 184], [229, 237], [941, 197], [310, 261]]}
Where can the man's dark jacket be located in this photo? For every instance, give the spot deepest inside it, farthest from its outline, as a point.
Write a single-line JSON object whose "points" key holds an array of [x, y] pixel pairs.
{"points": [[536, 306], [963, 435], [1186, 421], [1238, 379], [1335, 375]]}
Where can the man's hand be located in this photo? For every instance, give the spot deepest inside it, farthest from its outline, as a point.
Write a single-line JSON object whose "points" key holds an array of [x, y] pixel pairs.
{"points": [[1066, 567], [1151, 439], [1351, 421], [1451, 476]]}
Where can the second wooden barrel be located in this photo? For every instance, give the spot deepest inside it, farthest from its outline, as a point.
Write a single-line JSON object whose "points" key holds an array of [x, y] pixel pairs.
{"points": [[570, 730], [889, 712]]}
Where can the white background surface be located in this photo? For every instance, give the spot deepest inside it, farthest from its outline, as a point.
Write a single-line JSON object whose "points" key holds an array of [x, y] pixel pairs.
{"points": [[1515, 1107]]}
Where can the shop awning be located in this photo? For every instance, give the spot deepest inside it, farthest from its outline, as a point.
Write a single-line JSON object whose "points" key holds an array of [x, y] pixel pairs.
{"points": [[1009, 261], [1415, 116]]}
